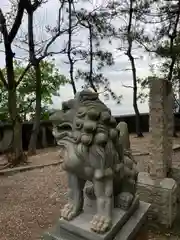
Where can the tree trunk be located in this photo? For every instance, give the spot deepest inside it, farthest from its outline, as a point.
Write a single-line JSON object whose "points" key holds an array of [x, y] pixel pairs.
{"points": [[131, 59], [179, 94], [36, 125], [17, 149], [44, 137], [91, 58], [138, 117], [11, 85], [71, 62], [174, 114], [17, 129]]}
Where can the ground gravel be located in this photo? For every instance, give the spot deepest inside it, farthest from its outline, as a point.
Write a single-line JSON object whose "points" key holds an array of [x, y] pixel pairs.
{"points": [[30, 202]]}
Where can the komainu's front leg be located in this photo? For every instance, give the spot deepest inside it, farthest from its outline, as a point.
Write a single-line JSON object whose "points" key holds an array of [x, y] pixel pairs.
{"points": [[75, 202], [102, 221]]}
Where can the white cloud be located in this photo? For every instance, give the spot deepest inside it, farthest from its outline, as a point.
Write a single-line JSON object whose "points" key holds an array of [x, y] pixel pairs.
{"points": [[117, 77]]}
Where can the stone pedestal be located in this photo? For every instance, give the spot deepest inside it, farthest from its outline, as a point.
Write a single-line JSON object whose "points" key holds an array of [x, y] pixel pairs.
{"points": [[125, 225], [162, 194], [175, 173]]}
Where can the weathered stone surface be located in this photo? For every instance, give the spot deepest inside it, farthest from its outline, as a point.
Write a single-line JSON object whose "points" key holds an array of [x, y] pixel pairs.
{"points": [[175, 173], [95, 150], [80, 226], [162, 194], [161, 128], [143, 160], [78, 229], [154, 186]]}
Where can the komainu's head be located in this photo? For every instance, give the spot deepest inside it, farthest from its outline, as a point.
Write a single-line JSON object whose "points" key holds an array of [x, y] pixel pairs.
{"points": [[84, 115], [86, 122]]}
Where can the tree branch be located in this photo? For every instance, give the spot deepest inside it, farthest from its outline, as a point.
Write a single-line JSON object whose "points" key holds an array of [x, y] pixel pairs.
{"points": [[23, 74], [59, 32], [36, 4], [29, 105], [50, 54], [3, 28], [30, 8], [17, 22], [127, 86], [146, 47], [172, 38]]}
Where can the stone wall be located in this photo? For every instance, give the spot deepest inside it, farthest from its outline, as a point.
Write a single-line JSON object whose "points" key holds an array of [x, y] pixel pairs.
{"points": [[45, 137], [27, 126]]}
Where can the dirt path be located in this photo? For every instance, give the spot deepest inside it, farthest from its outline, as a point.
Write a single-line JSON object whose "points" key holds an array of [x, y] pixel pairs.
{"points": [[142, 144]]}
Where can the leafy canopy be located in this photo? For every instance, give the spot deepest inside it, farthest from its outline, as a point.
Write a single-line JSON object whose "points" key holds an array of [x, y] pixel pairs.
{"points": [[26, 90]]}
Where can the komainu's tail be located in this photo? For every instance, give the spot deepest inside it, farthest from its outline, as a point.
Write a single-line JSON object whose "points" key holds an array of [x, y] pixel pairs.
{"points": [[124, 135], [125, 140]]}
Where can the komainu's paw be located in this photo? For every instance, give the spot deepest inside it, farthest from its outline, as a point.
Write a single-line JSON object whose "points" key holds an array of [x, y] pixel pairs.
{"points": [[100, 224], [69, 212]]}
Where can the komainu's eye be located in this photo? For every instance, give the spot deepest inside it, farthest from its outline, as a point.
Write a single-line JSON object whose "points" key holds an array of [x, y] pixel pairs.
{"points": [[79, 123]]}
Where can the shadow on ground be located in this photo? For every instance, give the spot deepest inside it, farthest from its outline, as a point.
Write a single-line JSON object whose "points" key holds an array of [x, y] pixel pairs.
{"points": [[155, 231]]}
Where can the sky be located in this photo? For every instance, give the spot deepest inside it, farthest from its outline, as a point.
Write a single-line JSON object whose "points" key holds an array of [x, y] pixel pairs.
{"points": [[116, 74]]}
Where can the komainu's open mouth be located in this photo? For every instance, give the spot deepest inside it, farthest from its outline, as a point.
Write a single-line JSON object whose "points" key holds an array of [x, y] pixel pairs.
{"points": [[64, 127], [62, 131]]}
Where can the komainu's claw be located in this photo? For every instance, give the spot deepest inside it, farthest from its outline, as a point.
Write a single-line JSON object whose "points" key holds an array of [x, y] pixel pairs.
{"points": [[100, 224], [68, 212]]}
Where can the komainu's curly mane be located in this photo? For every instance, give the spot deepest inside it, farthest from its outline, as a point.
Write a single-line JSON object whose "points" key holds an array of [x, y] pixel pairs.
{"points": [[95, 130]]}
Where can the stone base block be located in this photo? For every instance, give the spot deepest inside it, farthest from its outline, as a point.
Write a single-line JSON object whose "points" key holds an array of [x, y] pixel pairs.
{"points": [[79, 228], [175, 174], [162, 195]]}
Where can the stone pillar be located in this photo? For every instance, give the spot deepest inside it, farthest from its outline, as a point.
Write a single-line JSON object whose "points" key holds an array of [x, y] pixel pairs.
{"points": [[154, 186], [170, 127], [161, 128]]}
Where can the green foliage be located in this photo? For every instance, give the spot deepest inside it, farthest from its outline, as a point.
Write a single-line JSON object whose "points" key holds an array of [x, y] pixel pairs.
{"points": [[165, 52], [144, 85], [26, 95], [164, 44], [97, 24]]}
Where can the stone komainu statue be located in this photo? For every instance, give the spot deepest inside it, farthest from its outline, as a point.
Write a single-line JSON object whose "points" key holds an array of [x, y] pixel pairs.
{"points": [[96, 150]]}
